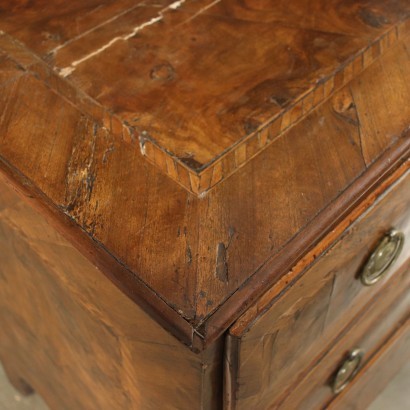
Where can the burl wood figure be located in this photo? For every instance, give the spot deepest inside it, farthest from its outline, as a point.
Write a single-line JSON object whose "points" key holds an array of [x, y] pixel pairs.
{"points": [[204, 204]]}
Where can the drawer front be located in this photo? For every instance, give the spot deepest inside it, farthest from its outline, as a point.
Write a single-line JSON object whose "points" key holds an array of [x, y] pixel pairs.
{"points": [[278, 349], [376, 374], [366, 334]]}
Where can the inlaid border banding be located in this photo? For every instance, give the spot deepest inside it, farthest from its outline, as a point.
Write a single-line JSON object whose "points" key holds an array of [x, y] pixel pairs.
{"points": [[199, 181]]}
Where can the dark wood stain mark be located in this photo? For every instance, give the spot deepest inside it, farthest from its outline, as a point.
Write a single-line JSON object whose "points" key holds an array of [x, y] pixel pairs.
{"points": [[251, 125], [372, 19], [280, 101], [188, 255], [191, 162], [221, 263]]}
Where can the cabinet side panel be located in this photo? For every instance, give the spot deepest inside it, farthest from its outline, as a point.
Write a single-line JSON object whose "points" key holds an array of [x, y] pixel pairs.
{"points": [[73, 336]]}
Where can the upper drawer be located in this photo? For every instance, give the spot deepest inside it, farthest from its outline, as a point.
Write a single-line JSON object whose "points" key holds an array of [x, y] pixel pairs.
{"points": [[276, 351]]}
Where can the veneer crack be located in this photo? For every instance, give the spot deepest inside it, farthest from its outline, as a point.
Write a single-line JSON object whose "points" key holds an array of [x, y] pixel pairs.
{"points": [[67, 71]]}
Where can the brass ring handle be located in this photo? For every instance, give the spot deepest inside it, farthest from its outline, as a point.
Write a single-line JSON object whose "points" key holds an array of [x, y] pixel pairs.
{"points": [[347, 370], [382, 258]]}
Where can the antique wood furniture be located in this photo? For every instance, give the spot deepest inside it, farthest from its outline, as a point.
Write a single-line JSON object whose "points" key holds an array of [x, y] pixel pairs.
{"points": [[204, 204]]}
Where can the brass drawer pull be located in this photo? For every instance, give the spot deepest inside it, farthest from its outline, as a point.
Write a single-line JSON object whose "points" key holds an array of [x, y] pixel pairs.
{"points": [[347, 370], [385, 254]]}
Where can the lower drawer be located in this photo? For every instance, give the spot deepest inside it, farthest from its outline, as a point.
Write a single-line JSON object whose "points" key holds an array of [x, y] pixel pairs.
{"points": [[377, 373], [366, 334]]}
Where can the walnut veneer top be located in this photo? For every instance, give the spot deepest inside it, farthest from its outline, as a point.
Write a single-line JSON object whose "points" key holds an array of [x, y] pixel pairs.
{"points": [[91, 90], [197, 81]]}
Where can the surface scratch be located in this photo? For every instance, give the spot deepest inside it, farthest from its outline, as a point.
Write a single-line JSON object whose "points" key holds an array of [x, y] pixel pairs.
{"points": [[201, 11], [85, 33], [65, 72]]}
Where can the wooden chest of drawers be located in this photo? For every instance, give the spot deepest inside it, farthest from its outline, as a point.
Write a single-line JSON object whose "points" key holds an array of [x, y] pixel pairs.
{"points": [[204, 204]]}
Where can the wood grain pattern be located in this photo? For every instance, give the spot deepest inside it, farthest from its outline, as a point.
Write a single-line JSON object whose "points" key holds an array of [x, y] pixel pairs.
{"points": [[225, 164], [172, 73], [71, 335], [120, 123], [315, 307], [169, 239]]}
